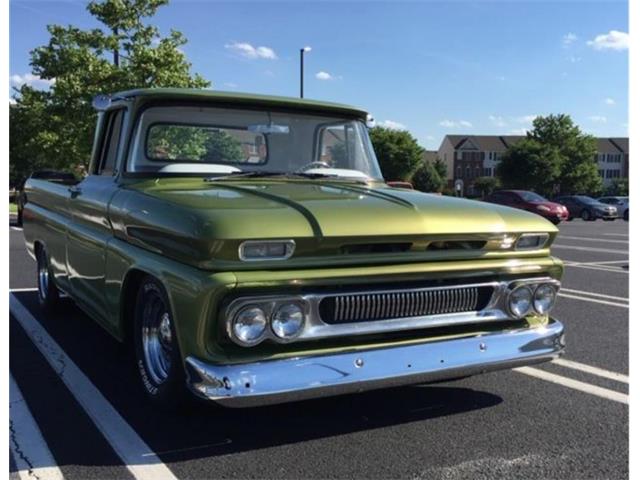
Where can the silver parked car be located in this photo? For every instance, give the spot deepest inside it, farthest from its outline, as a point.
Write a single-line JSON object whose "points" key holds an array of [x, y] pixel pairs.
{"points": [[621, 203]]}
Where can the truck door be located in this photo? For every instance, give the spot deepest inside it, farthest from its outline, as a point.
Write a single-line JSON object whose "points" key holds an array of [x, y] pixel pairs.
{"points": [[90, 229]]}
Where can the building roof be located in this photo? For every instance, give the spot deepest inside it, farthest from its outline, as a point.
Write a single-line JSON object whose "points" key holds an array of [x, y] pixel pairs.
{"points": [[500, 143], [195, 94], [605, 145], [622, 143], [492, 143]]}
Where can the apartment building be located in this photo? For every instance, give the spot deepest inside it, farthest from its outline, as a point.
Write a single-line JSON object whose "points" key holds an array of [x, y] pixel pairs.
{"points": [[468, 157]]}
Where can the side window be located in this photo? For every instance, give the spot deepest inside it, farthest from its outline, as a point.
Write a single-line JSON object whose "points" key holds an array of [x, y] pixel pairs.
{"points": [[334, 147], [111, 141]]}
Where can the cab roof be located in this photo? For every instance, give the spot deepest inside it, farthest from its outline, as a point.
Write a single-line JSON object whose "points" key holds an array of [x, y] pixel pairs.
{"points": [[241, 99]]}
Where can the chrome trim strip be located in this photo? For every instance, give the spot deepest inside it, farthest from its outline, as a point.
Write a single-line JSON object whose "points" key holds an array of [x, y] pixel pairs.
{"points": [[314, 328], [299, 378]]}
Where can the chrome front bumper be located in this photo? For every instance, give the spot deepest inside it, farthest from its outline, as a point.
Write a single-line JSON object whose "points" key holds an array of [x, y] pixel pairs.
{"points": [[300, 378]]}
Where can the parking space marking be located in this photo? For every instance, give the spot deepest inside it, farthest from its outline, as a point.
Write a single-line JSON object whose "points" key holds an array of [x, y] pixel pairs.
{"points": [[29, 449], [595, 267], [585, 239], [19, 229], [575, 384], [594, 300], [139, 459], [605, 262], [600, 372], [617, 234], [593, 294], [591, 249], [27, 289]]}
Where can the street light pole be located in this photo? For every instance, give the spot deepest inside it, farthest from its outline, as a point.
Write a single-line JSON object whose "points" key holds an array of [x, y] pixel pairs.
{"points": [[302, 50]]}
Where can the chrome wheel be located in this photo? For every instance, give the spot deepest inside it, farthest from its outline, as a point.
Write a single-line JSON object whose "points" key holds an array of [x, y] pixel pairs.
{"points": [[157, 341], [43, 276]]}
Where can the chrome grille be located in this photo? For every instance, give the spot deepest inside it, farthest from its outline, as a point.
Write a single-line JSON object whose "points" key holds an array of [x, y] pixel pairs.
{"points": [[403, 304]]}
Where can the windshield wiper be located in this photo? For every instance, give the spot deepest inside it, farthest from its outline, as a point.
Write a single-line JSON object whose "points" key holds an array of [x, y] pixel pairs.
{"points": [[267, 173]]}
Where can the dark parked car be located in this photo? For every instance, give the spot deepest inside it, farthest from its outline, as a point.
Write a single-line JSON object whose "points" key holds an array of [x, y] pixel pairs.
{"points": [[587, 208], [525, 200], [64, 178], [621, 203]]}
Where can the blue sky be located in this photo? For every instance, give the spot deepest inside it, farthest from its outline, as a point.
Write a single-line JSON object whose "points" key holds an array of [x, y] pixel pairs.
{"points": [[483, 67]]}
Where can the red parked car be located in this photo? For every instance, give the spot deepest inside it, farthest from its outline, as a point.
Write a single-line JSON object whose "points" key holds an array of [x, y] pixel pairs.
{"points": [[525, 200]]}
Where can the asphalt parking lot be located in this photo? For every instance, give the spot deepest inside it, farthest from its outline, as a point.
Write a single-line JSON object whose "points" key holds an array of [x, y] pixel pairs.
{"points": [[77, 412]]}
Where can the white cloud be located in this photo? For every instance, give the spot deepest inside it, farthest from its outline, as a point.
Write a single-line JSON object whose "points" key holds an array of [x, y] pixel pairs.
{"points": [[518, 131], [568, 39], [598, 119], [574, 59], [609, 101], [230, 85], [502, 78], [526, 119], [247, 50], [455, 124], [392, 125], [324, 76], [614, 40], [498, 121], [32, 80], [12, 101]]}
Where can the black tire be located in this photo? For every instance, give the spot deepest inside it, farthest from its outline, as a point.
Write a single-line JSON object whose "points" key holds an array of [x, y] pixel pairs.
{"points": [[19, 217], [555, 221], [626, 215], [157, 356], [48, 293], [585, 215]]}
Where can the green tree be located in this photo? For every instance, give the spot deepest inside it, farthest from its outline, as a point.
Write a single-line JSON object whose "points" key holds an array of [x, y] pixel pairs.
{"points": [[125, 52], [619, 187], [428, 179], [486, 185], [555, 157], [398, 152]]}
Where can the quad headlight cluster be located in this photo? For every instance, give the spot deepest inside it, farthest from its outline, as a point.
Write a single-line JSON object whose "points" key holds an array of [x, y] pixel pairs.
{"points": [[537, 298], [281, 321]]}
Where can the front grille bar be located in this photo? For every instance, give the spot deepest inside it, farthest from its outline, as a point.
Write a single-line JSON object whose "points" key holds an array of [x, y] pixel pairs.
{"points": [[375, 306]]}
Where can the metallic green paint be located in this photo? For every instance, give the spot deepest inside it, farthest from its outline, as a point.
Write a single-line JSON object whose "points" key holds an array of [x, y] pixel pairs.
{"points": [[186, 232]]}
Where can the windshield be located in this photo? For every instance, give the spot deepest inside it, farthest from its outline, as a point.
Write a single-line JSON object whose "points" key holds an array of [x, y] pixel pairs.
{"points": [[532, 197], [222, 141]]}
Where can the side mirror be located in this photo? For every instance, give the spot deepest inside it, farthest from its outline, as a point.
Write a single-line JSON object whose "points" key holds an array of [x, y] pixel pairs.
{"points": [[101, 102], [371, 122]]}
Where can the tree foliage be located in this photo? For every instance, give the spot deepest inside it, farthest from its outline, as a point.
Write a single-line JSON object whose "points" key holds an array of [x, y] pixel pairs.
{"points": [[555, 157], [430, 176], [61, 121], [398, 152], [486, 185]]}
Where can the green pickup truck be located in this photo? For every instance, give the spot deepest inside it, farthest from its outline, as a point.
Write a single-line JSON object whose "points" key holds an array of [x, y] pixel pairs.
{"points": [[249, 251]]}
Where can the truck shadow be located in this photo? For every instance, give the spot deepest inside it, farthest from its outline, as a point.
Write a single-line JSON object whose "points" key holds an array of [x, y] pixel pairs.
{"points": [[202, 430]]}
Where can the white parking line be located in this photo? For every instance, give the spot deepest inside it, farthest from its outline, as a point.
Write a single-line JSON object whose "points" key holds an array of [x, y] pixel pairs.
{"points": [[593, 294], [600, 372], [617, 234], [134, 452], [606, 262], [575, 384], [30, 451], [594, 267], [27, 289], [591, 249], [594, 300], [585, 239], [19, 229]]}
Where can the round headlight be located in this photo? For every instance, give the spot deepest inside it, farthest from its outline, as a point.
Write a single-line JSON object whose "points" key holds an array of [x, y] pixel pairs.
{"points": [[544, 298], [287, 320], [520, 301], [249, 325]]}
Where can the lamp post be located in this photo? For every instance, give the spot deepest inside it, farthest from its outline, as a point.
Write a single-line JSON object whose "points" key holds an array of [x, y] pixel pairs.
{"points": [[302, 51]]}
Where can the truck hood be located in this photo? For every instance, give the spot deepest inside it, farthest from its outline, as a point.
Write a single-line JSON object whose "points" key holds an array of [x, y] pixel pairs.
{"points": [[208, 217]]}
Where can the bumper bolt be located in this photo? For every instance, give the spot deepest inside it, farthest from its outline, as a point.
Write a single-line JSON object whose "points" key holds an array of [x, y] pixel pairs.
{"points": [[359, 362], [483, 347]]}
